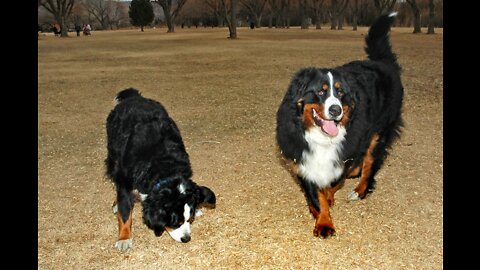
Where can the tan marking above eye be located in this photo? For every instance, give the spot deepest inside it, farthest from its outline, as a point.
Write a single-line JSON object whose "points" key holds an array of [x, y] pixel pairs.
{"points": [[336, 85], [325, 86]]}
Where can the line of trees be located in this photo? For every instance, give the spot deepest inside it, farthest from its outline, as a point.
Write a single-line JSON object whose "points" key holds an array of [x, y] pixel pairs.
{"points": [[335, 13], [113, 14]]}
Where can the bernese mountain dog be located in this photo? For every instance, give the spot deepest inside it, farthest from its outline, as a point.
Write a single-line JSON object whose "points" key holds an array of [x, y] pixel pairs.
{"points": [[147, 162], [339, 123]]}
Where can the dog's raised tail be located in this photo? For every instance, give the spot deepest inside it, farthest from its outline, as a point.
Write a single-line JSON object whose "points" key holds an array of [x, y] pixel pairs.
{"points": [[127, 93], [377, 40]]}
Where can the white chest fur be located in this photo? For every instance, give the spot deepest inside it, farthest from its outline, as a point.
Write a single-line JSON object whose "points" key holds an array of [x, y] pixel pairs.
{"points": [[321, 164]]}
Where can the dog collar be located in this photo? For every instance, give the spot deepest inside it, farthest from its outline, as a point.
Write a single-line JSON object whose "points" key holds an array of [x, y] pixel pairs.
{"points": [[160, 183]]}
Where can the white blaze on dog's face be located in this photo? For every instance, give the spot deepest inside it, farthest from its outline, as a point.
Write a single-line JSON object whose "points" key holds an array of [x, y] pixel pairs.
{"points": [[332, 101], [182, 233]]}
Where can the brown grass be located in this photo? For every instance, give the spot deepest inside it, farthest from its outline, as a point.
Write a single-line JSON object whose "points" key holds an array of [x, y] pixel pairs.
{"points": [[224, 95]]}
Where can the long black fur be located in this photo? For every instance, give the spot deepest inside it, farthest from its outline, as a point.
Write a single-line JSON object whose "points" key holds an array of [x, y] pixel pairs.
{"points": [[373, 93], [146, 153]]}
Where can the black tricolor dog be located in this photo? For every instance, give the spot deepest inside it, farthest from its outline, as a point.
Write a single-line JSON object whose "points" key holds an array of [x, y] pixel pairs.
{"points": [[338, 123], [147, 161]]}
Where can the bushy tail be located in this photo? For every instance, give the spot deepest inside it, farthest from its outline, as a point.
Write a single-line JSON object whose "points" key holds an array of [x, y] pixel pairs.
{"points": [[127, 93], [378, 43]]}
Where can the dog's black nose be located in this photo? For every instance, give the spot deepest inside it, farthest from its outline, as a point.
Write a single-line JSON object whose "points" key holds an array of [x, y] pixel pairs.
{"points": [[185, 239], [335, 110]]}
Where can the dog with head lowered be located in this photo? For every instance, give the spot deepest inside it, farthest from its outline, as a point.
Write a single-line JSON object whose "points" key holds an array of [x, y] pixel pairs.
{"points": [[339, 123], [147, 161]]}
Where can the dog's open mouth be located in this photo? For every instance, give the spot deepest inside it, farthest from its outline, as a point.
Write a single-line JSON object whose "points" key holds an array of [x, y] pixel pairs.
{"points": [[328, 126]]}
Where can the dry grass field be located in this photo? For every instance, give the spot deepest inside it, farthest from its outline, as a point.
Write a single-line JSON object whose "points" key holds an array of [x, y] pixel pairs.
{"points": [[224, 95]]}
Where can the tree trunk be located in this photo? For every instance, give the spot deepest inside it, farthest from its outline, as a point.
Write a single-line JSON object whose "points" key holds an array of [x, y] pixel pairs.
{"points": [[270, 21], [287, 14], [340, 22], [416, 16], [304, 23], [303, 14], [431, 17], [318, 22], [416, 22], [231, 18], [258, 19], [63, 27], [141, 27], [333, 24], [170, 25], [354, 22], [278, 21], [355, 16]]}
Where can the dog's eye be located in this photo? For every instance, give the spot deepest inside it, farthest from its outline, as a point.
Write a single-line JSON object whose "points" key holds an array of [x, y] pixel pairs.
{"points": [[340, 93], [321, 92]]}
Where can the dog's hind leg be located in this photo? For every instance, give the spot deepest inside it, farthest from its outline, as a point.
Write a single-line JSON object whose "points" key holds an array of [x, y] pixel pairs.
{"points": [[369, 167], [124, 215]]}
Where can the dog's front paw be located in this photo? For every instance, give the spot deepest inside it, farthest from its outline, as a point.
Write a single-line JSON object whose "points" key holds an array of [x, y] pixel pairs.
{"points": [[123, 245], [324, 230]]}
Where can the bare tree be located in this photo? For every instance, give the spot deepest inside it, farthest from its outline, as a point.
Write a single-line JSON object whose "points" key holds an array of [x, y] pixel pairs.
{"points": [[317, 8], [337, 10], [99, 10], [217, 9], [416, 16], [61, 10], [78, 11], [431, 17], [384, 6], [230, 8], [284, 17], [303, 5], [272, 9], [354, 8], [171, 11], [255, 8], [279, 9]]}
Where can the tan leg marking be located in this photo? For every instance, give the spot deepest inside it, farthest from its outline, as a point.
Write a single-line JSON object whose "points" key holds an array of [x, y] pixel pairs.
{"points": [[124, 228], [366, 168], [323, 224]]}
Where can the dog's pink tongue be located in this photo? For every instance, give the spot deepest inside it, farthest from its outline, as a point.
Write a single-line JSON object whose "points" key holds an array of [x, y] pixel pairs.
{"points": [[329, 127]]}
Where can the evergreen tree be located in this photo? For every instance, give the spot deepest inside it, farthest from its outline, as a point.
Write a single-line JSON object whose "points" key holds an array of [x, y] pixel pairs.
{"points": [[141, 13]]}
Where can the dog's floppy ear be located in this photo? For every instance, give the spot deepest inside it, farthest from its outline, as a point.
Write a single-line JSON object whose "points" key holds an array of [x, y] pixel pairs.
{"points": [[205, 195], [290, 130]]}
